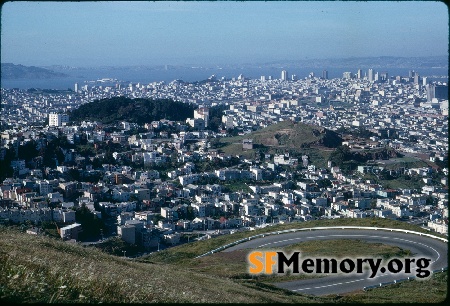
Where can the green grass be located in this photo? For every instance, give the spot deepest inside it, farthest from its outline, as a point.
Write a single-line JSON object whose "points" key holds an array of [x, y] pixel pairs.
{"points": [[235, 149], [400, 183], [427, 292], [414, 182], [237, 186], [404, 162], [234, 264]]}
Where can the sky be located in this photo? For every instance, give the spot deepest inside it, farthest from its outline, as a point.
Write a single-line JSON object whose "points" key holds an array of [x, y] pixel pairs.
{"points": [[177, 33]]}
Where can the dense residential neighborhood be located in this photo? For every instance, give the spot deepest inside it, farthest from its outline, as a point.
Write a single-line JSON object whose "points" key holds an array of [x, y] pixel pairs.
{"points": [[151, 184]]}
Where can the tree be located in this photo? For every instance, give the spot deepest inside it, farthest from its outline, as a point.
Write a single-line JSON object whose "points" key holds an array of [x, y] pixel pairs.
{"points": [[5, 165], [325, 183], [340, 155], [28, 151], [74, 174], [215, 116], [90, 223]]}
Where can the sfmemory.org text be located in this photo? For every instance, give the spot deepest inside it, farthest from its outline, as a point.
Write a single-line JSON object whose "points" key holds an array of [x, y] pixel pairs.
{"points": [[269, 262]]}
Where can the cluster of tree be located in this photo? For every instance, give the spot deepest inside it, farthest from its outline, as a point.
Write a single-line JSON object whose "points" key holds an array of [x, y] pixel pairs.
{"points": [[215, 116], [442, 164], [139, 111], [91, 224], [346, 159], [360, 132], [189, 214], [51, 152], [28, 151], [5, 164], [340, 155], [211, 165]]}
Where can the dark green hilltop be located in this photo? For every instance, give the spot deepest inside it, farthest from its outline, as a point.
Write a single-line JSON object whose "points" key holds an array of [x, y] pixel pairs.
{"points": [[139, 111]]}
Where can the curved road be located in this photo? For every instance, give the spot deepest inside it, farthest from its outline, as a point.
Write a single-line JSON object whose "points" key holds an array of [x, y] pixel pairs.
{"points": [[420, 246]]}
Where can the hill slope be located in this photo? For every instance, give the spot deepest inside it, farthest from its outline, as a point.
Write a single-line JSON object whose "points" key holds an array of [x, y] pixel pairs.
{"points": [[134, 110], [315, 141], [44, 270], [291, 135]]}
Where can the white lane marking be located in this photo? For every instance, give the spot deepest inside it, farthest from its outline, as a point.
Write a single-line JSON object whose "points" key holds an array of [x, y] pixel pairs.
{"points": [[318, 287], [349, 282]]}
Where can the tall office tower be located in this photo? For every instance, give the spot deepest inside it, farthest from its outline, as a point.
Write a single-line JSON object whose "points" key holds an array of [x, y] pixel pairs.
{"points": [[347, 75], [441, 92], [430, 92], [377, 77], [359, 74], [284, 75], [424, 81], [263, 78], [436, 91], [416, 78], [411, 73], [370, 75], [294, 77], [76, 87], [325, 75]]}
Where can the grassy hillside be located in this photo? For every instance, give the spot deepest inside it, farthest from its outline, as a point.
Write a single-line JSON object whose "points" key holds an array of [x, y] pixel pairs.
{"points": [[316, 142], [40, 269], [288, 134]]}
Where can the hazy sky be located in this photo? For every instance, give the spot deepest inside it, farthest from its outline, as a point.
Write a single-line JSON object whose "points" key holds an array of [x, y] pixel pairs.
{"points": [[135, 33]]}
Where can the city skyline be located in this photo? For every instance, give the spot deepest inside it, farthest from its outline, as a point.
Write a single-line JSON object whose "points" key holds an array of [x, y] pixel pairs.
{"points": [[146, 33]]}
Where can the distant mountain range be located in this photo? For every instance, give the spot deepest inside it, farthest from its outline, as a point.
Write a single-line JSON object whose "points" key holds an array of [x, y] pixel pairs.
{"points": [[11, 71], [368, 62]]}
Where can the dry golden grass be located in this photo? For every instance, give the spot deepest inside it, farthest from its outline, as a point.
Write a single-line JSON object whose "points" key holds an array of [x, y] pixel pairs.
{"points": [[40, 269]]}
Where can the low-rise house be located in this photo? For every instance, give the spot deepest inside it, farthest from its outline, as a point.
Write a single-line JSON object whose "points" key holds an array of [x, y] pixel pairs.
{"points": [[439, 226]]}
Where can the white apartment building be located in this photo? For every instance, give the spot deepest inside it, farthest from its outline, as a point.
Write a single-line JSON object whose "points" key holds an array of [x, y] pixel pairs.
{"points": [[57, 119]]}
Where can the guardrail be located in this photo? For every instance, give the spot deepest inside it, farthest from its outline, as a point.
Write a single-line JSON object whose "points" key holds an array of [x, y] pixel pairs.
{"points": [[319, 228]]}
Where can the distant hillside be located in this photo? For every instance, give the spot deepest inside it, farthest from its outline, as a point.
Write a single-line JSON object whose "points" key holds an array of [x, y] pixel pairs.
{"points": [[10, 71], [133, 110], [291, 135], [379, 62]]}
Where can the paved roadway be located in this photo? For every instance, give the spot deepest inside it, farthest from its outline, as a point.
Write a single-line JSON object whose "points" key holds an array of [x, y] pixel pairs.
{"points": [[336, 284]]}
